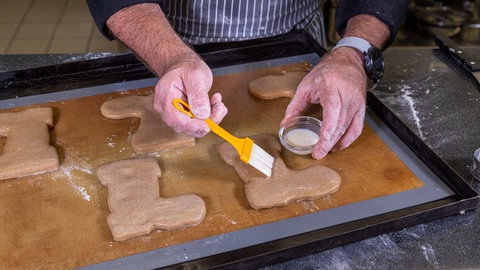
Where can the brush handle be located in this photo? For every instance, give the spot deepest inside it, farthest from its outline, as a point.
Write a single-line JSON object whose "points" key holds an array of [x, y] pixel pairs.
{"points": [[238, 143]]}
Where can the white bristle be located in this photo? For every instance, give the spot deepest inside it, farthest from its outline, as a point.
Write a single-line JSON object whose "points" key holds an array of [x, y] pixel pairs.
{"points": [[261, 160]]}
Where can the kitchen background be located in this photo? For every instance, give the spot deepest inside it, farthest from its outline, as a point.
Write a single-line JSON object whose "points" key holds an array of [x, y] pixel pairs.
{"points": [[50, 26], [65, 26]]}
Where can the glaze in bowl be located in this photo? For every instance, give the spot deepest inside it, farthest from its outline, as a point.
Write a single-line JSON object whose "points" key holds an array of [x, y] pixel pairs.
{"points": [[300, 134]]}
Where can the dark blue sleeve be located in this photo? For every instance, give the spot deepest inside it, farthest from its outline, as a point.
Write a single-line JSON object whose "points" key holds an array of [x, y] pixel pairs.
{"points": [[101, 10], [391, 12]]}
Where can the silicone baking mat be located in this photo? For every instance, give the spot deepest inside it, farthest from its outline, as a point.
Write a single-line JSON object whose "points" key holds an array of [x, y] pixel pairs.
{"points": [[57, 220]]}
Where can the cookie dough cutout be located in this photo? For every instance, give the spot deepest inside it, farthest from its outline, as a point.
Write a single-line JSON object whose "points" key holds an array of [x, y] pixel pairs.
{"points": [[276, 86], [136, 207], [285, 185], [27, 147], [153, 135]]}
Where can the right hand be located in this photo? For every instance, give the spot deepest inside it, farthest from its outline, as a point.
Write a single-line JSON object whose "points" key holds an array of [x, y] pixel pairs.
{"points": [[183, 74], [190, 79]]}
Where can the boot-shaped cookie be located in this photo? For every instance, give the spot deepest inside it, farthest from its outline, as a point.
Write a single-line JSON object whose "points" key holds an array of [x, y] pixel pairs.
{"points": [[276, 86], [135, 203], [285, 185], [153, 134], [27, 149]]}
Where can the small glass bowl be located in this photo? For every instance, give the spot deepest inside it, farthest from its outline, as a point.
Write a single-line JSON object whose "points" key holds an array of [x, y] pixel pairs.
{"points": [[300, 134]]}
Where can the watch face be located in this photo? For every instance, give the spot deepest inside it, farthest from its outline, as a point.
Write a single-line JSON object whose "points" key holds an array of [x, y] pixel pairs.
{"points": [[374, 64]]}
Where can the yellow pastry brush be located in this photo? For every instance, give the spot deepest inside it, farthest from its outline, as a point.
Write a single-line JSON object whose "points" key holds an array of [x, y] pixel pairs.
{"points": [[249, 152]]}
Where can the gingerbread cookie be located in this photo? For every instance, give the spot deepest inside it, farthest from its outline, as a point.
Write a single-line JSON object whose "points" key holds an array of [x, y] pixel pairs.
{"points": [[135, 203], [284, 186], [276, 86], [27, 148], [153, 134]]}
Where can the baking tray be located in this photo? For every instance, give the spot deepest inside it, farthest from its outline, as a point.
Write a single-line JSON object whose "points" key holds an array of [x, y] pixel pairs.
{"points": [[443, 193]]}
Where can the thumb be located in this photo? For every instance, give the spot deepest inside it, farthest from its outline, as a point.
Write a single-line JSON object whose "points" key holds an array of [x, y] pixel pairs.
{"points": [[295, 108], [199, 104], [197, 86]]}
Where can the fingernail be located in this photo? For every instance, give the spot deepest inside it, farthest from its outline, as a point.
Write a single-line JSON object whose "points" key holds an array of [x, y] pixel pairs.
{"points": [[202, 112], [318, 155], [201, 133]]}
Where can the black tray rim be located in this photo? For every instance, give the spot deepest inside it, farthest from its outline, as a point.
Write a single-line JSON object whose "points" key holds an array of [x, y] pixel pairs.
{"points": [[126, 67]]}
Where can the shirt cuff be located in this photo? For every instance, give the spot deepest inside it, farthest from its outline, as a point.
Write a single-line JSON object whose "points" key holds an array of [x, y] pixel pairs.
{"points": [[390, 12], [101, 10]]}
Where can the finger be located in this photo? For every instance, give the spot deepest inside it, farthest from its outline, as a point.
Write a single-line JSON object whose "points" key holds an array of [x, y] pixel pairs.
{"points": [[352, 133], [183, 123], [198, 127], [219, 110], [335, 123], [331, 110], [165, 91], [295, 107], [193, 127], [197, 84], [199, 104], [321, 149], [343, 123], [167, 88]]}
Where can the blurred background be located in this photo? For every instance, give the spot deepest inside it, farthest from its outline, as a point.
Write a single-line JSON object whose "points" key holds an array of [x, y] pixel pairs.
{"points": [[458, 19], [50, 26], [65, 26]]}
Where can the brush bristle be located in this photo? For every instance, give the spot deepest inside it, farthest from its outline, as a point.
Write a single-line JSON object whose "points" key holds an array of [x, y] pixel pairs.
{"points": [[261, 160]]}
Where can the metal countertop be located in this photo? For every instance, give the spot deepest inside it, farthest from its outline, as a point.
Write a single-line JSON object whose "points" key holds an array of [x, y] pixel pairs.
{"points": [[441, 105]]}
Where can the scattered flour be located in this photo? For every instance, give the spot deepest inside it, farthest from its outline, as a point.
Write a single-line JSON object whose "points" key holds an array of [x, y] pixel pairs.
{"points": [[231, 221], [429, 255], [154, 154], [413, 235], [214, 243], [110, 142], [309, 206], [407, 96], [80, 190], [87, 56], [70, 164], [339, 259]]}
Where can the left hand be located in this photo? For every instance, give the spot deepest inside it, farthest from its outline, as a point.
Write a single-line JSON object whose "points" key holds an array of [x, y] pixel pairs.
{"points": [[338, 83]]}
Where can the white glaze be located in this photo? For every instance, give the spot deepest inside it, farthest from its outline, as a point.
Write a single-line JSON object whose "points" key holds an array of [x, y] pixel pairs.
{"points": [[301, 137]]}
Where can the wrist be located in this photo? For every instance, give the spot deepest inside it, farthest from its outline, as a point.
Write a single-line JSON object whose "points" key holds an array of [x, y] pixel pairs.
{"points": [[361, 26], [373, 62], [147, 32], [350, 55]]}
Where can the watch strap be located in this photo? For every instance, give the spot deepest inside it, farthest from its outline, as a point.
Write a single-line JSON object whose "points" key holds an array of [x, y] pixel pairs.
{"points": [[355, 42], [363, 46]]}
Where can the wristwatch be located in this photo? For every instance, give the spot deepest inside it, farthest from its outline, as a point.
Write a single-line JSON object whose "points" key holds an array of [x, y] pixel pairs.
{"points": [[373, 59]]}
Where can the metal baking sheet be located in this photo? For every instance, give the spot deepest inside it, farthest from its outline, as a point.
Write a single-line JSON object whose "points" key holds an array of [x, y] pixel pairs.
{"points": [[433, 189]]}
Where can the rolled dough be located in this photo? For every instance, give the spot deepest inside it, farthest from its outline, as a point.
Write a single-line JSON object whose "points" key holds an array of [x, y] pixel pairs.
{"points": [[285, 185], [135, 203], [27, 147], [153, 134], [276, 86]]}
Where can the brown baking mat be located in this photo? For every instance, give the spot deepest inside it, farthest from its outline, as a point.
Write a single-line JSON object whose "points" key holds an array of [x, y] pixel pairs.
{"points": [[57, 220]]}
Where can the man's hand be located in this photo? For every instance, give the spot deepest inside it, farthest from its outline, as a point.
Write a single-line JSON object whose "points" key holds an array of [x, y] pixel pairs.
{"points": [[339, 84], [189, 80], [183, 74]]}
